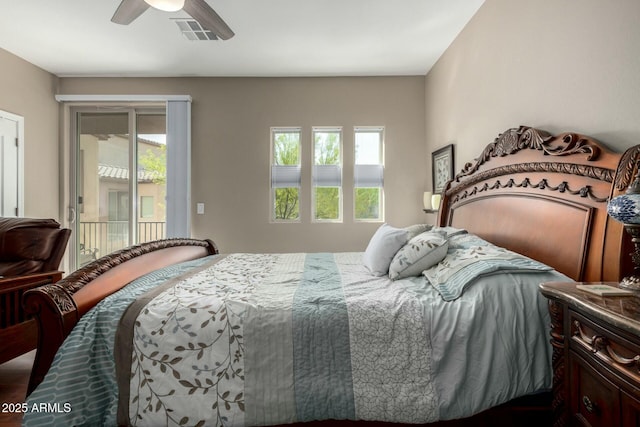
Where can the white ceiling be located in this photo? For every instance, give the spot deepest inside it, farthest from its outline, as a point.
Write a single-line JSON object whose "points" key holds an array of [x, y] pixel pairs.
{"points": [[273, 38]]}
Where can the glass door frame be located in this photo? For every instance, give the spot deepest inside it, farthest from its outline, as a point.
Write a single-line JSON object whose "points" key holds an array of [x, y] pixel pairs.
{"points": [[133, 110]]}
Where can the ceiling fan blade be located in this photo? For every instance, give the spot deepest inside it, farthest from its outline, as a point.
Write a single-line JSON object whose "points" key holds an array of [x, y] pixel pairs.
{"points": [[208, 18], [128, 11]]}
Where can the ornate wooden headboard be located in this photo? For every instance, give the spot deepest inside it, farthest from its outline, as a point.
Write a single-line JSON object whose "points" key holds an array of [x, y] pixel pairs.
{"points": [[546, 197]]}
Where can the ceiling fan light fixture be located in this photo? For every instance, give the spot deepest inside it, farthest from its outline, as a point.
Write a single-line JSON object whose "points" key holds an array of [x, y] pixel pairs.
{"points": [[166, 5]]}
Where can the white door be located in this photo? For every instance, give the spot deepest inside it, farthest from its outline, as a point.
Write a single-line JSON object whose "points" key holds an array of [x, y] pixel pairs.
{"points": [[11, 165]]}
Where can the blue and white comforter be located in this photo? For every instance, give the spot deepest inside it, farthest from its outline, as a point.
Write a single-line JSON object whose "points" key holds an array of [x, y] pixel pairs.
{"points": [[260, 339]]}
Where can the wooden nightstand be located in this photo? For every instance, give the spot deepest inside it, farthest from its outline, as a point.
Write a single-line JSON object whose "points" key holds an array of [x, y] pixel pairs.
{"points": [[596, 356]]}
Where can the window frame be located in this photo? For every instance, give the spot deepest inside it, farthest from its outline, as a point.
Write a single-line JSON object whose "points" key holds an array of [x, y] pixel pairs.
{"points": [[327, 129], [272, 192], [381, 202], [145, 206]]}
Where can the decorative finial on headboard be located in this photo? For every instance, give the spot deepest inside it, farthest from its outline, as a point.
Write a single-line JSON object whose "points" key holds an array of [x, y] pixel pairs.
{"points": [[626, 209], [627, 169]]}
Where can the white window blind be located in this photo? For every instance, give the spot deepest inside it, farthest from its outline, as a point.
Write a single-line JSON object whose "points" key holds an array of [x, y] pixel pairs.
{"points": [[368, 176], [327, 175], [283, 176]]}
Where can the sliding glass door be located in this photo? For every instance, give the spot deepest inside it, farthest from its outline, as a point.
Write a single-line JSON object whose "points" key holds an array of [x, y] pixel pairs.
{"points": [[120, 180]]}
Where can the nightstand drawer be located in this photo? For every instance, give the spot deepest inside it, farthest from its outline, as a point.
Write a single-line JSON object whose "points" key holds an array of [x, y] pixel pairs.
{"points": [[594, 401], [600, 343]]}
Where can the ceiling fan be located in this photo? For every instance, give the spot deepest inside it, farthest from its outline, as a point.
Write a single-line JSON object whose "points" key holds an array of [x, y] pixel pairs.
{"points": [[199, 10]]}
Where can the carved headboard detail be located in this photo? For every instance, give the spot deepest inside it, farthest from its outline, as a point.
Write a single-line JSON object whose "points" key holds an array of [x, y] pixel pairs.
{"points": [[546, 197], [627, 168], [516, 139]]}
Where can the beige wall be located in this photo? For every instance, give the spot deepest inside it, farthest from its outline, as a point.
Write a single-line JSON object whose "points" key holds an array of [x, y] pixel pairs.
{"points": [[560, 65], [28, 91], [231, 119]]}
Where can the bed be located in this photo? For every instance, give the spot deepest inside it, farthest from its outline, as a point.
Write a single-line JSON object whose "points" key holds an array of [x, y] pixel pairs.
{"points": [[289, 338]]}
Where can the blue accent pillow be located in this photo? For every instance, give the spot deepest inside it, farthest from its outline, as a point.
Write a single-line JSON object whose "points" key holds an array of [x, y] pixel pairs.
{"points": [[422, 252]]}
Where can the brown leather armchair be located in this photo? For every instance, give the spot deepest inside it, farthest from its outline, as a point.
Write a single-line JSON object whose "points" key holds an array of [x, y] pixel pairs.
{"points": [[30, 254]]}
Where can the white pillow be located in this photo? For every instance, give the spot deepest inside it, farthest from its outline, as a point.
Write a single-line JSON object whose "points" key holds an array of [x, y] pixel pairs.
{"points": [[423, 251], [414, 230], [384, 244]]}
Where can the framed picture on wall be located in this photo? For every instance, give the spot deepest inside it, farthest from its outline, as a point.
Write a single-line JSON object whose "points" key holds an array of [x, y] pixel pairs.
{"points": [[441, 167]]}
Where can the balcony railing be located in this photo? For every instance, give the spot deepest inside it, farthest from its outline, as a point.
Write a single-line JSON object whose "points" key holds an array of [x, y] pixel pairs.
{"points": [[100, 238]]}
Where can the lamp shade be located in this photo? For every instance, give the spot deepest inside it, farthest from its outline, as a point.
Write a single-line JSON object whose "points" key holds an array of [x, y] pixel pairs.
{"points": [[625, 208], [166, 5], [435, 201], [426, 200]]}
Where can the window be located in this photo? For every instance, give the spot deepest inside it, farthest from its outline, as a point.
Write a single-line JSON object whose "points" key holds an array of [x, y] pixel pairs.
{"points": [[285, 174], [118, 205], [368, 173], [327, 174], [146, 206]]}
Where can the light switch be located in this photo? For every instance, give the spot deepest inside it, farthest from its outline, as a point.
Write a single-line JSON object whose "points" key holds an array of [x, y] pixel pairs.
{"points": [[200, 208]]}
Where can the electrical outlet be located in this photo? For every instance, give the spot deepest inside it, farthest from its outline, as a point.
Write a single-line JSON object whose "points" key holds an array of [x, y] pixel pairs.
{"points": [[200, 208]]}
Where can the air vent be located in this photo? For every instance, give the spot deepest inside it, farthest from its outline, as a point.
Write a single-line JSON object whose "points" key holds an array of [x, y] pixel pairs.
{"points": [[192, 30]]}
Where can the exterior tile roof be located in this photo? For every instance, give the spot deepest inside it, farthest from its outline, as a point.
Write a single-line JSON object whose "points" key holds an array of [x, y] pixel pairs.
{"points": [[122, 173]]}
